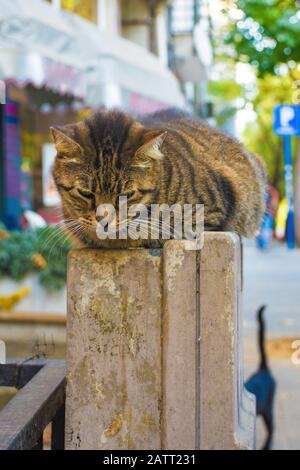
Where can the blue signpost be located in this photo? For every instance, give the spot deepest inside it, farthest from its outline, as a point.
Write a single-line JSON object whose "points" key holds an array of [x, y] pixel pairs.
{"points": [[286, 125]]}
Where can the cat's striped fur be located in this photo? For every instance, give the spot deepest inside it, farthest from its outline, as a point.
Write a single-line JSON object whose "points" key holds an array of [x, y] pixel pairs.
{"points": [[167, 157]]}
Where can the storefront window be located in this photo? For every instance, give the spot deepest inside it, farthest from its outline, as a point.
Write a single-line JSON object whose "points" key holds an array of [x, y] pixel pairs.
{"points": [[85, 8]]}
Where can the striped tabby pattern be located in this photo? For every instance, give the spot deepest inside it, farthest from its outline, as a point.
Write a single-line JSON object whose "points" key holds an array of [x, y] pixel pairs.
{"points": [[167, 157]]}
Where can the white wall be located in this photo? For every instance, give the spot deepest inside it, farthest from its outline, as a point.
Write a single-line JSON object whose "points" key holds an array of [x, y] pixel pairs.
{"points": [[138, 10], [109, 16]]}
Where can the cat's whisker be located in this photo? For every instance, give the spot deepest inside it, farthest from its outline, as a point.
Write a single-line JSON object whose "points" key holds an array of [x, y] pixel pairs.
{"points": [[58, 231], [60, 240], [165, 229], [147, 228], [71, 226], [61, 235]]}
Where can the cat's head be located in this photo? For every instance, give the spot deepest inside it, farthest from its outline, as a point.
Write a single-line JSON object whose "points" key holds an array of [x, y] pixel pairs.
{"points": [[100, 159]]}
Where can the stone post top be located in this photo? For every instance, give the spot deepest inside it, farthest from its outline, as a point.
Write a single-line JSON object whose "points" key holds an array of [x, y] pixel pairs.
{"points": [[230, 238], [154, 356]]}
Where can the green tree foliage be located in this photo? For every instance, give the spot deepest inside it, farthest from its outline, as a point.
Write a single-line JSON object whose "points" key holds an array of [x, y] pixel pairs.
{"points": [[259, 136], [224, 94], [266, 34]]}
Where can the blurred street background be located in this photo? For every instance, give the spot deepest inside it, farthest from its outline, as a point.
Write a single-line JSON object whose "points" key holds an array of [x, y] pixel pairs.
{"points": [[271, 278], [228, 61]]}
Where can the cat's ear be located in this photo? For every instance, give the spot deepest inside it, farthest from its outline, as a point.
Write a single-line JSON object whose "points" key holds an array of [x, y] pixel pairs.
{"points": [[150, 151], [65, 144]]}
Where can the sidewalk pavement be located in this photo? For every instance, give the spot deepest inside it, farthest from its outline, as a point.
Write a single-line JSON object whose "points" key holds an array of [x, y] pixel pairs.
{"points": [[273, 278], [287, 399]]}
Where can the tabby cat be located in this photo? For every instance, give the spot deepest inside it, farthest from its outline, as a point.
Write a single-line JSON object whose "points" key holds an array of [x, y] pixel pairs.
{"points": [[167, 157]]}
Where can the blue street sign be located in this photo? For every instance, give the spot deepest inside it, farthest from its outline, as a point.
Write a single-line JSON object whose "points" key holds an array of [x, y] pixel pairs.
{"points": [[289, 190], [286, 124], [286, 119]]}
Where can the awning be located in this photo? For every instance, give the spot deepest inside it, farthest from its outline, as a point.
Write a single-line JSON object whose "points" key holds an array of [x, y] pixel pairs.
{"points": [[65, 53]]}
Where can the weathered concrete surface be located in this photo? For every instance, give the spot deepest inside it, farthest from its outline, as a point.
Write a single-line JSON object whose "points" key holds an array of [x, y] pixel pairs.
{"points": [[227, 410], [114, 350], [153, 349], [179, 358]]}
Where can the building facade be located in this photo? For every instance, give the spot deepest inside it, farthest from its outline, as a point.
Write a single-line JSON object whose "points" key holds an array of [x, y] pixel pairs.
{"points": [[59, 60]]}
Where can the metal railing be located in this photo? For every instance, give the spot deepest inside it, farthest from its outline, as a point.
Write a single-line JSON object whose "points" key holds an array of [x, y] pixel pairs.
{"points": [[40, 400]]}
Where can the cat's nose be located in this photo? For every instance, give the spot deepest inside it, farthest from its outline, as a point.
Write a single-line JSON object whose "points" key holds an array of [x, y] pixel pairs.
{"points": [[99, 218]]}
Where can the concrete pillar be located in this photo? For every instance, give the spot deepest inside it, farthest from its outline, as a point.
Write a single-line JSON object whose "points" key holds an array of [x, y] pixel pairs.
{"points": [[153, 349]]}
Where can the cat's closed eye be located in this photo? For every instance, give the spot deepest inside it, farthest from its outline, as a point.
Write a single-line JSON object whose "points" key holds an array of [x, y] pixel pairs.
{"points": [[85, 193], [146, 190], [128, 194], [142, 191]]}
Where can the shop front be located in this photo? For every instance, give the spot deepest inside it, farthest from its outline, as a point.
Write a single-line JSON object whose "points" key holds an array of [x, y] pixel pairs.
{"points": [[57, 68]]}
